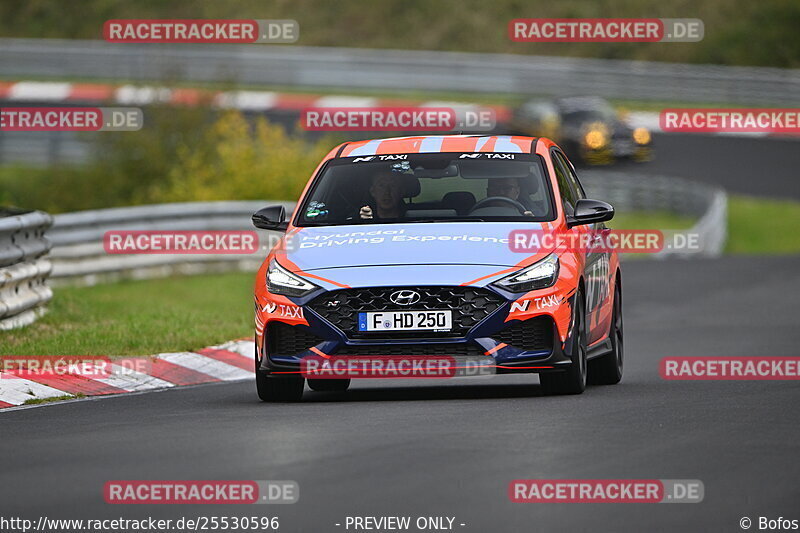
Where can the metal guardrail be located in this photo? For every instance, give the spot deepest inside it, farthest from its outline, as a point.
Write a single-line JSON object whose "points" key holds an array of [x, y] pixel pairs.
{"points": [[23, 267], [400, 69], [78, 255], [44, 148], [631, 192]]}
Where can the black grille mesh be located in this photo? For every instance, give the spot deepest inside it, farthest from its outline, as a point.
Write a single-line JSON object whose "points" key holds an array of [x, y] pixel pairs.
{"points": [[283, 339], [534, 334], [470, 305]]}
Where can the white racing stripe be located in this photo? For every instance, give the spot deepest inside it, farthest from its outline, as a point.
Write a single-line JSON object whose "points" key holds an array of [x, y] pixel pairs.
{"points": [[206, 365], [132, 381], [244, 348], [140, 95], [345, 101], [264, 100], [43, 91], [17, 391], [129, 377], [253, 100]]}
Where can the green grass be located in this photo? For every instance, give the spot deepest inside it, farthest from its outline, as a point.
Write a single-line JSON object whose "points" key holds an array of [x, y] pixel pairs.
{"points": [[140, 317], [759, 226], [37, 401], [755, 225]]}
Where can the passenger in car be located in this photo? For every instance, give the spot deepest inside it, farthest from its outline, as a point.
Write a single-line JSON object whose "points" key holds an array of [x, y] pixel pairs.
{"points": [[387, 191]]}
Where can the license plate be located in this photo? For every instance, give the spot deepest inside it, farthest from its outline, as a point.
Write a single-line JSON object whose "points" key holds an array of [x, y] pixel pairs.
{"points": [[405, 321]]}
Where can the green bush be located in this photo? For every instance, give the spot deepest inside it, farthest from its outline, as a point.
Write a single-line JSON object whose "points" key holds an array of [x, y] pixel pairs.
{"points": [[182, 155], [235, 160]]}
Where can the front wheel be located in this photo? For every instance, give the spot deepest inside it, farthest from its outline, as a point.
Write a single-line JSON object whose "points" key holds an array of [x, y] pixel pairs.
{"points": [[572, 380], [607, 369], [278, 389]]}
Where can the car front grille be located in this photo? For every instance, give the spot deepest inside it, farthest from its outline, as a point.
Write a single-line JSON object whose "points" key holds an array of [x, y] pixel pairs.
{"points": [[534, 334], [286, 340], [470, 305]]}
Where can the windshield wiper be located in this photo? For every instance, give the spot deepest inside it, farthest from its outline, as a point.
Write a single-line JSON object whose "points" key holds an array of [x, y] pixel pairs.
{"points": [[454, 219], [365, 221]]}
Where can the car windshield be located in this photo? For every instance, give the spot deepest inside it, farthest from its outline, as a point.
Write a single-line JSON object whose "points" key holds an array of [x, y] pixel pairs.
{"points": [[439, 187], [596, 112], [588, 116]]}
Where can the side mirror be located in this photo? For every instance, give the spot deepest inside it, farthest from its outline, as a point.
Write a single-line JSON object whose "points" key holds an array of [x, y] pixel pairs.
{"points": [[590, 212], [273, 217]]}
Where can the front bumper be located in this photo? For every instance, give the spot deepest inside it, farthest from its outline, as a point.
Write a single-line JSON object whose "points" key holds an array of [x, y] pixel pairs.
{"points": [[617, 150], [480, 330]]}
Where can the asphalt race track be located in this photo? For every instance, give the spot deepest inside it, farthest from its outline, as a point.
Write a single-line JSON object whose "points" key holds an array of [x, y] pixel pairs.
{"points": [[758, 166], [451, 449]]}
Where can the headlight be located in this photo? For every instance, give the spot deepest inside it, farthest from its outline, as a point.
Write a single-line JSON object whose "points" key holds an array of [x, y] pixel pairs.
{"points": [[281, 281], [537, 276], [595, 139], [641, 136]]}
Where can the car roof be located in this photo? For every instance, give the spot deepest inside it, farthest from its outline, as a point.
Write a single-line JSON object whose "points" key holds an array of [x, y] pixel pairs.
{"points": [[439, 143]]}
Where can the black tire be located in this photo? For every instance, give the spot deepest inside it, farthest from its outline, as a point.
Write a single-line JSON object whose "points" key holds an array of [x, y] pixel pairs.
{"points": [[607, 369], [573, 379], [329, 385], [278, 389]]}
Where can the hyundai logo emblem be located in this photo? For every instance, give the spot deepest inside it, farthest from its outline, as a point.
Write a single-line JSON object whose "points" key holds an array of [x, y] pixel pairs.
{"points": [[405, 297]]}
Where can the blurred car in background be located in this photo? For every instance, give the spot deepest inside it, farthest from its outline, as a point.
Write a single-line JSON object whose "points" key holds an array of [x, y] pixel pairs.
{"points": [[587, 127]]}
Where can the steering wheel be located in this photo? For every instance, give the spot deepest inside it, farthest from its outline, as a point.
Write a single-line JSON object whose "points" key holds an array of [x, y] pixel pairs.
{"points": [[521, 208]]}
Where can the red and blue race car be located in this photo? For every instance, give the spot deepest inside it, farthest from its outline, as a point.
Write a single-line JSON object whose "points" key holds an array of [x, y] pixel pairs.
{"points": [[403, 247]]}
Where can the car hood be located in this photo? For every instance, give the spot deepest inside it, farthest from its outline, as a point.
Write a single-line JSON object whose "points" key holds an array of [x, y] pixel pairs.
{"points": [[442, 243]]}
